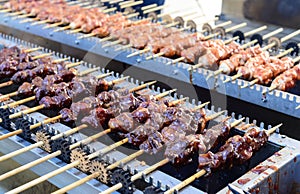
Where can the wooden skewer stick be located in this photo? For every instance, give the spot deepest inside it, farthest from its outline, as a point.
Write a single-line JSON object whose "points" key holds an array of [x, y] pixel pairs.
{"points": [[19, 131], [25, 15], [142, 86], [74, 31], [40, 22], [62, 28], [108, 74], [193, 67], [77, 183], [7, 96], [273, 129], [123, 3], [29, 20], [109, 10], [112, 43], [232, 78], [284, 53], [154, 9], [53, 25], [250, 83], [149, 6], [227, 30], [16, 103], [32, 49], [5, 10], [161, 95], [70, 65], [137, 176], [283, 39], [42, 56], [60, 60], [123, 47], [8, 83], [15, 13], [132, 15], [270, 89], [90, 70], [27, 111], [246, 34], [45, 177], [107, 38], [40, 143], [90, 139], [155, 56], [266, 36], [131, 4], [86, 36], [28, 165], [138, 52]]}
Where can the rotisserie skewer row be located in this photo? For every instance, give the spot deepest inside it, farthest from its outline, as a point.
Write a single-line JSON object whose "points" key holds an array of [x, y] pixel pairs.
{"points": [[103, 151], [58, 117], [89, 139], [252, 141], [53, 138], [152, 168]]}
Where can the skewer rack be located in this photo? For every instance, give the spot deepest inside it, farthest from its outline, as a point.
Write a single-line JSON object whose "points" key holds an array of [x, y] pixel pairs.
{"points": [[286, 159], [279, 103]]}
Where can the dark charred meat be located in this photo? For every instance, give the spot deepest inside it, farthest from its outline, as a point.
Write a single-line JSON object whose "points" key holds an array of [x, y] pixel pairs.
{"points": [[184, 147], [236, 150]]}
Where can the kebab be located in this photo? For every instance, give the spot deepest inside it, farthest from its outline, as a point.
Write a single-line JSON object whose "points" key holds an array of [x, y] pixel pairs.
{"points": [[164, 50], [147, 124], [256, 50], [287, 79], [56, 137], [62, 115], [264, 68], [27, 71], [237, 149], [149, 170], [105, 150], [240, 55], [85, 141], [221, 25]]}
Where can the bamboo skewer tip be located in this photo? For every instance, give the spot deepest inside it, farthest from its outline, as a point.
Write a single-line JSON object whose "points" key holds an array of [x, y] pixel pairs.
{"points": [[273, 129]]}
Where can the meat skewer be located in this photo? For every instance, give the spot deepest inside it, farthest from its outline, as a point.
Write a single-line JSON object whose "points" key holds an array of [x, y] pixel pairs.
{"points": [[61, 99], [73, 146], [19, 131], [150, 169], [287, 79], [182, 58], [161, 53], [252, 144], [22, 68], [283, 39], [277, 67], [57, 153], [236, 53]]}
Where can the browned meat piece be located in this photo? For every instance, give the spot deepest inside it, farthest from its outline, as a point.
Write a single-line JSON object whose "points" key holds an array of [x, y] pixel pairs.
{"points": [[98, 117], [67, 115], [26, 89], [236, 150]]}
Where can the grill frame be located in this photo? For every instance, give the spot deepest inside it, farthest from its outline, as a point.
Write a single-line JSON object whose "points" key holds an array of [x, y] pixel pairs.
{"points": [[291, 146]]}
